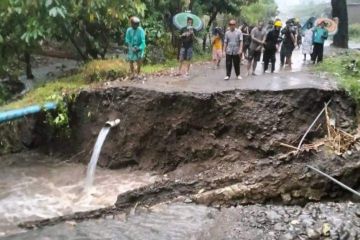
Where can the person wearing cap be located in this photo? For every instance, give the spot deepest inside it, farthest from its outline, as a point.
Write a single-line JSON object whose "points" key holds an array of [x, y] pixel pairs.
{"points": [[319, 37], [271, 45], [258, 36], [233, 45], [135, 41], [187, 41]]}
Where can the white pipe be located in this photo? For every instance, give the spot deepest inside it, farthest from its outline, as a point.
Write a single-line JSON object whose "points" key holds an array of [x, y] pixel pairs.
{"points": [[112, 124]]}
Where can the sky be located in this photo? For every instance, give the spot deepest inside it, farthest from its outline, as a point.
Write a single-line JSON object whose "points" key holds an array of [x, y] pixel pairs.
{"points": [[284, 5], [295, 2]]}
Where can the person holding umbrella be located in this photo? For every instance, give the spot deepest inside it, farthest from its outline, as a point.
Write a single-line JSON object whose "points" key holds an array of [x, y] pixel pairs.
{"points": [[319, 37], [135, 41], [186, 51]]}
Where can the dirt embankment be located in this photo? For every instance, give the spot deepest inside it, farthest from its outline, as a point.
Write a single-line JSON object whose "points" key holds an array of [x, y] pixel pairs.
{"points": [[219, 149], [162, 131]]}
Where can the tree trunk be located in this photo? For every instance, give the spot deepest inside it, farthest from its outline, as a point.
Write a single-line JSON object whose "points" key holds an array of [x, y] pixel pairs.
{"points": [[212, 19], [339, 10], [191, 5], [27, 59]]}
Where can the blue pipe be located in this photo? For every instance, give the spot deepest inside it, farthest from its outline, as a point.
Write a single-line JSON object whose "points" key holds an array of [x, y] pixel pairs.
{"points": [[22, 112]]}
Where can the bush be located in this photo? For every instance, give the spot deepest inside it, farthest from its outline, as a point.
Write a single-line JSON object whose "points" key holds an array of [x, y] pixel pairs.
{"points": [[101, 70], [354, 31], [346, 69]]}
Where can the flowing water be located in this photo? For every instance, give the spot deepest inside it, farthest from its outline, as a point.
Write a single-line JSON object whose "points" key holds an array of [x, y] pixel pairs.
{"points": [[175, 222], [34, 186], [90, 174]]}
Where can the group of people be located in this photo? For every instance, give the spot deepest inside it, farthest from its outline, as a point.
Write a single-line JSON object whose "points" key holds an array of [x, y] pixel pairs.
{"points": [[250, 44], [238, 44]]}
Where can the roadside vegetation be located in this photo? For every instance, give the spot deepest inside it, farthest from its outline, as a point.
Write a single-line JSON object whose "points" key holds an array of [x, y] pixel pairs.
{"points": [[346, 69], [354, 32]]}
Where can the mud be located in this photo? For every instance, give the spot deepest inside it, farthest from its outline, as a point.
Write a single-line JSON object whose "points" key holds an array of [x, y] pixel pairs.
{"points": [[218, 149], [162, 131]]}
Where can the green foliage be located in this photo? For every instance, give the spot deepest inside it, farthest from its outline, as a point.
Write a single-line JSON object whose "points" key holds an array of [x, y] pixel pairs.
{"points": [[91, 25], [354, 31], [346, 69], [100, 70], [59, 120], [41, 93], [22, 27], [261, 10]]}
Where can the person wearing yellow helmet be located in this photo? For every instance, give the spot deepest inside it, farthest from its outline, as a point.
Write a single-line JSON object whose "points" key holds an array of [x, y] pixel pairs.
{"points": [[271, 46]]}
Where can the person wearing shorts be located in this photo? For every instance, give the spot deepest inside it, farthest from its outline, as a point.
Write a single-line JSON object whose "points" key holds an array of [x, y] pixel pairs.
{"points": [[217, 46], [258, 36], [186, 51]]}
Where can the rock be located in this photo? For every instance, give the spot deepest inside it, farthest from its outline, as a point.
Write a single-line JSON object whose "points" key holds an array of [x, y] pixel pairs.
{"points": [[287, 236], [281, 227], [357, 213], [312, 233], [345, 235], [326, 229], [286, 197], [188, 200], [295, 222], [71, 223]]}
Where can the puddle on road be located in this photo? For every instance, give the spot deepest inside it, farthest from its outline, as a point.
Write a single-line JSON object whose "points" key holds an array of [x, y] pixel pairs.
{"points": [[33, 191]]}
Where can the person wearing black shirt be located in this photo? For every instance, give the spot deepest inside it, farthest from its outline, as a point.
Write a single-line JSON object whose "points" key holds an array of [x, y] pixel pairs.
{"points": [[187, 40], [271, 45], [289, 43]]}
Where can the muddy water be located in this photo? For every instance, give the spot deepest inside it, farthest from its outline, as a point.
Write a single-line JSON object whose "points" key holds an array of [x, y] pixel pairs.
{"points": [[176, 222], [179, 221], [33, 189]]}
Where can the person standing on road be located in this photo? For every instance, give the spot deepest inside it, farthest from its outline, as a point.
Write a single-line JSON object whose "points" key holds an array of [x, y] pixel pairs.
{"points": [[135, 41], [320, 35], [245, 30], [187, 41], [289, 43], [258, 36], [217, 44], [271, 46], [233, 45], [307, 43]]}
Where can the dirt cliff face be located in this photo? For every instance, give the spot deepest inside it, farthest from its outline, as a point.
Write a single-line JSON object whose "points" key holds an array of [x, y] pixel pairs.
{"points": [[219, 149], [162, 131]]}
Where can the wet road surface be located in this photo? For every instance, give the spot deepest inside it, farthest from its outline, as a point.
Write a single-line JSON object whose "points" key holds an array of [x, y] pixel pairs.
{"points": [[204, 79]]}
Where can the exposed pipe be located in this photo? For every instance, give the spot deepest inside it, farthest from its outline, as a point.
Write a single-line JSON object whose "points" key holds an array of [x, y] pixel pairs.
{"points": [[334, 180], [113, 123], [22, 112]]}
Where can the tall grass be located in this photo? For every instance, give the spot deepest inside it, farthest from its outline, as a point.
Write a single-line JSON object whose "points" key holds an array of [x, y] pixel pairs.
{"points": [[346, 70]]}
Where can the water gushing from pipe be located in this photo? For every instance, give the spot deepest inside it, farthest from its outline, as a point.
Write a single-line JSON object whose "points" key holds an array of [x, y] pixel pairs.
{"points": [[90, 174]]}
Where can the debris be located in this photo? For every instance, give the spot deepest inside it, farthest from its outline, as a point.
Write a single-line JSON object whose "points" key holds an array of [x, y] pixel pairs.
{"points": [[336, 139]]}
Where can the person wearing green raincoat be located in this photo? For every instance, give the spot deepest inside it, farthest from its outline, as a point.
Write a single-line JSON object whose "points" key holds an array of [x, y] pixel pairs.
{"points": [[135, 41]]}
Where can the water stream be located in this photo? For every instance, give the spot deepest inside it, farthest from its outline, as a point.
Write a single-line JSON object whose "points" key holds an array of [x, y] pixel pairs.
{"points": [[34, 186], [95, 157]]}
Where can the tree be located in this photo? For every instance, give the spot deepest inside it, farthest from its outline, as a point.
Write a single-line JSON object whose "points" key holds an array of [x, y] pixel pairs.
{"points": [[261, 10], [23, 25], [339, 10], [90, 24], [215, 7]]}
